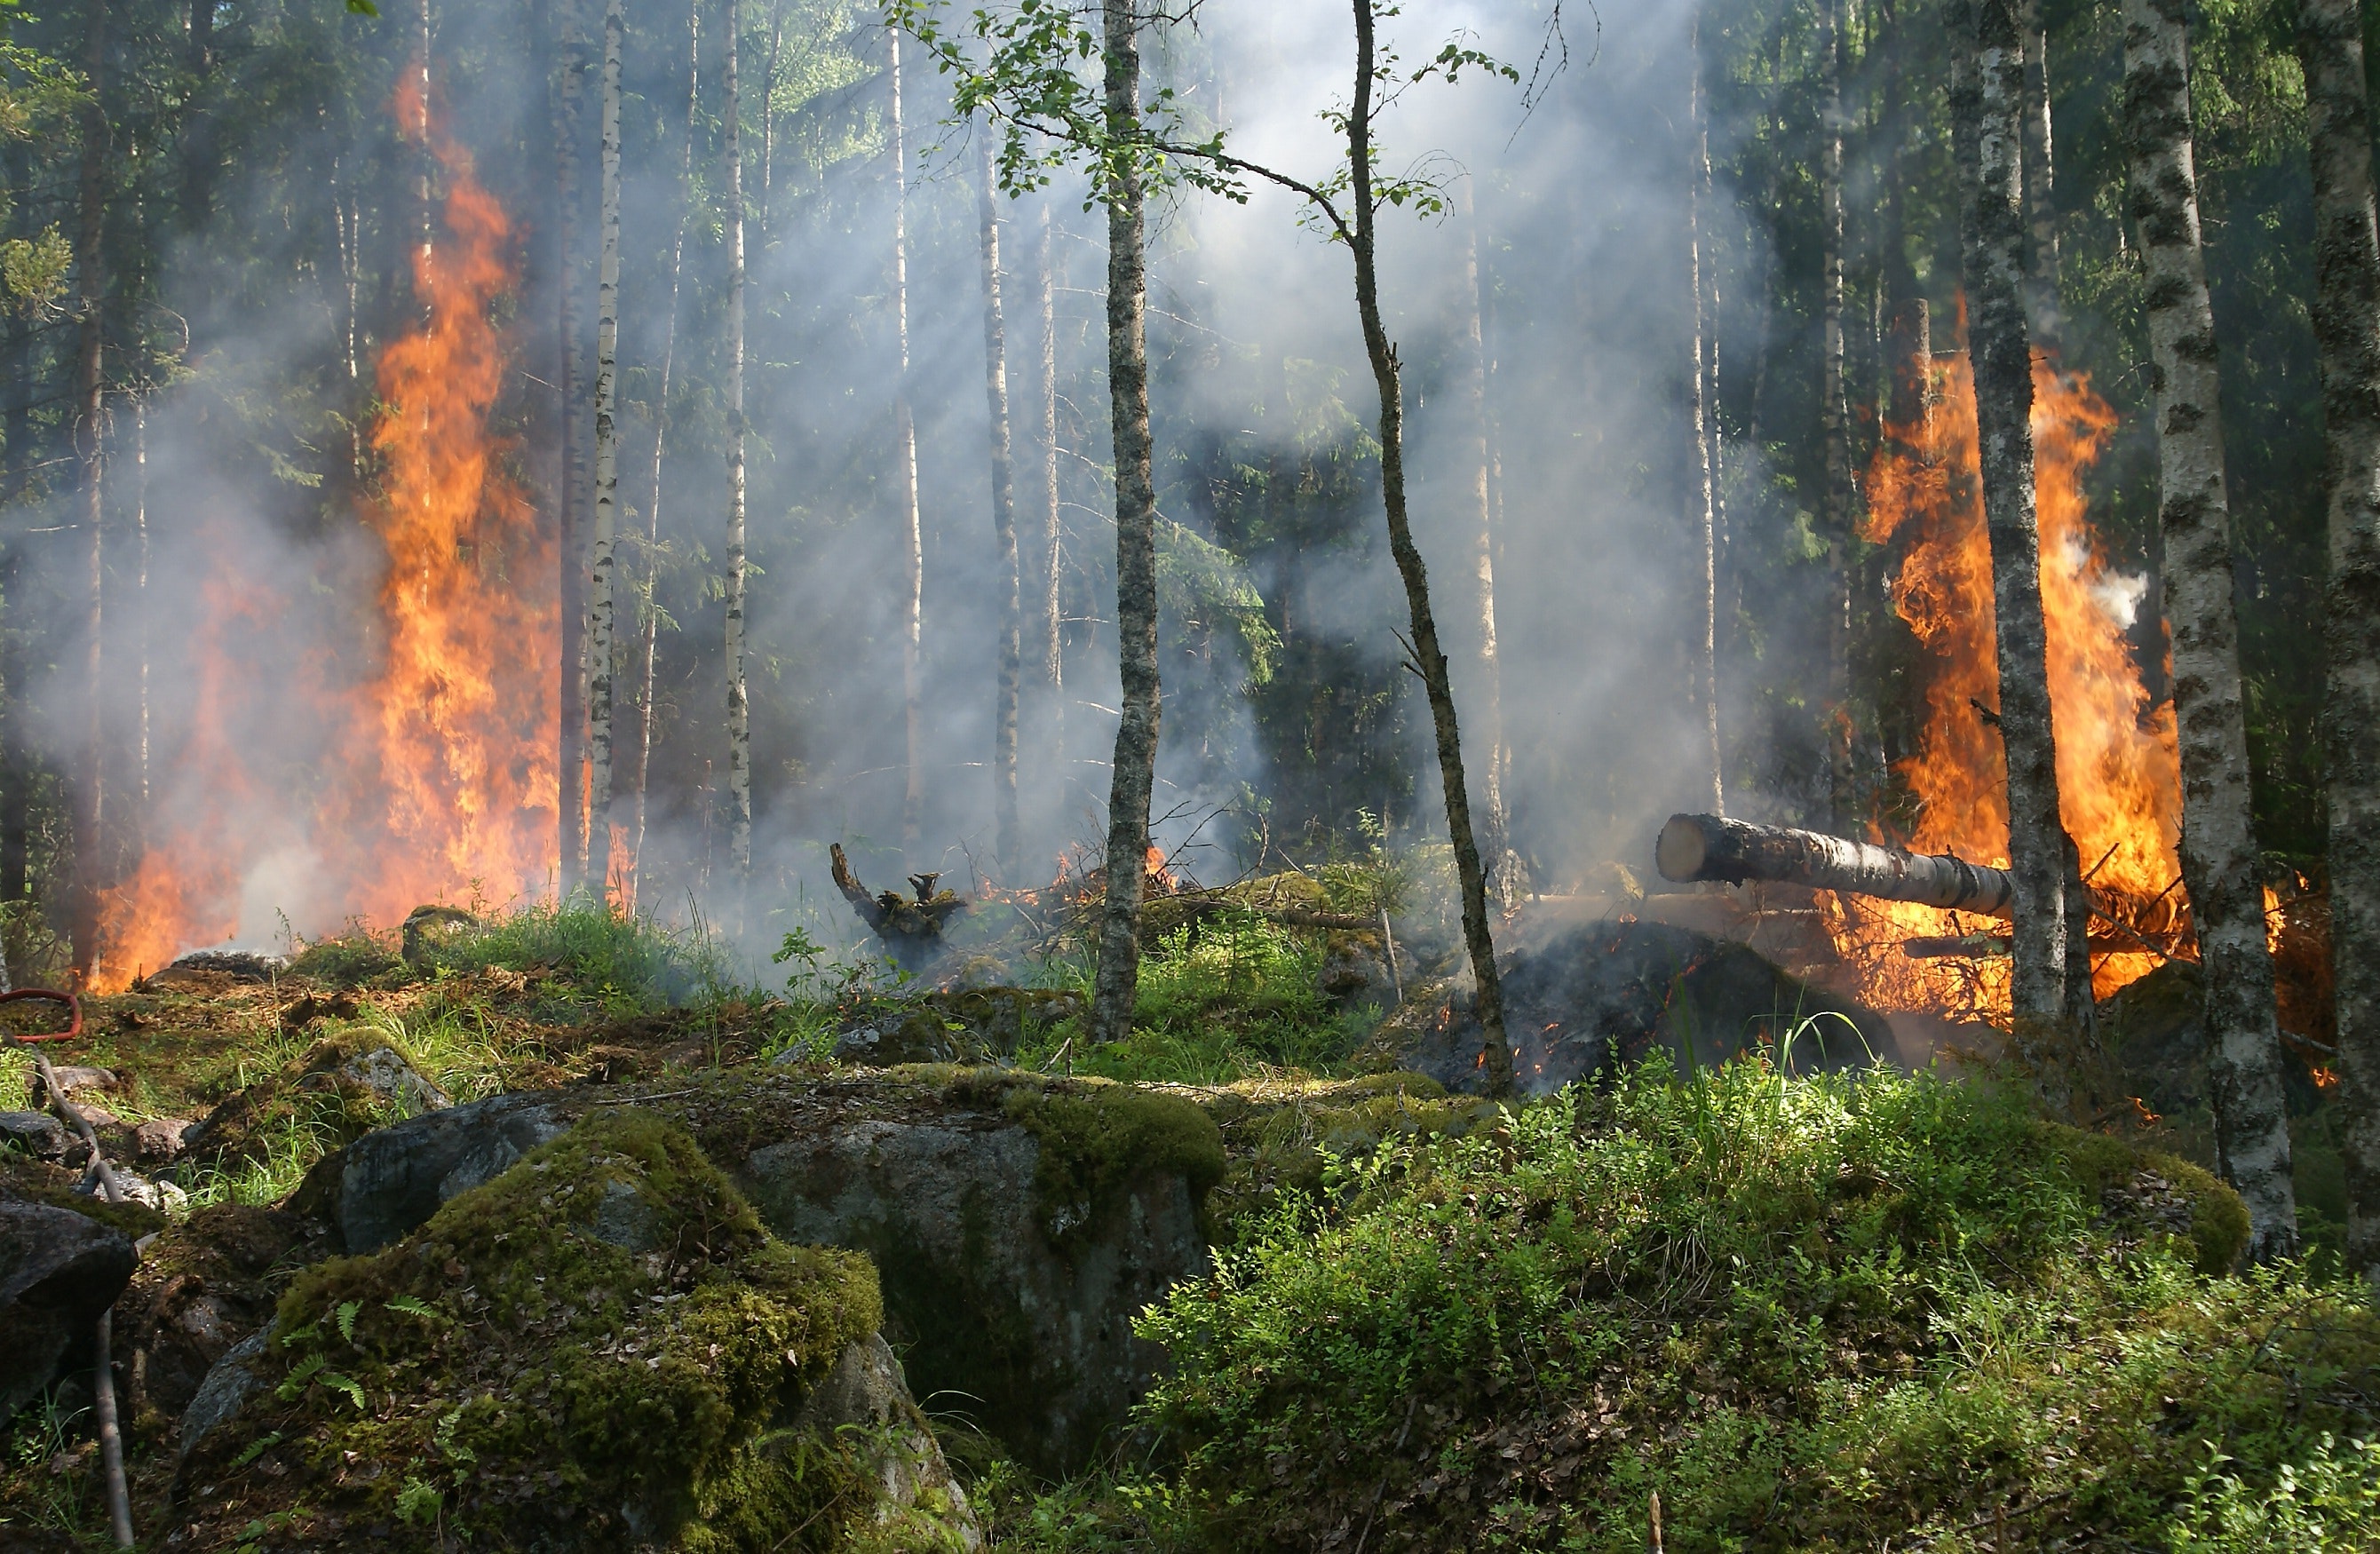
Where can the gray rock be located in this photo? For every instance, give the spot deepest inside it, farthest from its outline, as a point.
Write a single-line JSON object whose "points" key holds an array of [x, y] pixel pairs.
{"points": [[161, 1140], [167, 1198], [75, 1077], [229, 1384], [385, 1074], [36, 1133], [867, 1389], [395, 1178], [58, 1271]]}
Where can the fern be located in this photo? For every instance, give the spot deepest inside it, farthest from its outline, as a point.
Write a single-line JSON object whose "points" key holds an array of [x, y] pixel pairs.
{"points": [[348, 1310]]}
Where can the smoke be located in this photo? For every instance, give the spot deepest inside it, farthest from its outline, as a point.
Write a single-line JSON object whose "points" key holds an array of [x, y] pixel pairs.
{"points": [[262, 611]]}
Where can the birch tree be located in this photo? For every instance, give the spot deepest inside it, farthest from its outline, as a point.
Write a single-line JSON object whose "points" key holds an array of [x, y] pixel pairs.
{"points": [[913, 533], [2346, 332], [89, 408], [2219, 842], [739, 704], [1990, 92], [1702, 516], [1479, 521], [607, 476], [2040, 209], [576, 478], [1008, 669], [1048, 608]]}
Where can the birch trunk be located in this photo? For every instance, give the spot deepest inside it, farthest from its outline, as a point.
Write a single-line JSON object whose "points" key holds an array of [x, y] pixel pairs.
{"points": [[1834, 422], [1050, 609], [1477, 497], [649, 604], [576, 483], [2040, 208], [1993, 263], [1008, 651], [1134, 772], [1702, 518], [913, 533], [87, 426], [1429, 657], [739, 705], [2219, 839], [2346, 330], [607, 477]]}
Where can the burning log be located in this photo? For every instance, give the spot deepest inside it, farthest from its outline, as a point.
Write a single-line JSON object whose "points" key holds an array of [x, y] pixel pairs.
{"points": [[1712, 847], [911, 930]]}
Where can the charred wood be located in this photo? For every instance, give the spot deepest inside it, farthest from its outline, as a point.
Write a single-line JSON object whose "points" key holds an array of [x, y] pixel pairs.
{"points": [[911, 928], [1699, 847]]}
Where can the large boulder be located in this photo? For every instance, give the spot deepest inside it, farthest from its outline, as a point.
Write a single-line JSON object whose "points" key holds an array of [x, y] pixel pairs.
{"points": [[204, 1285], [59, 1270], [1590, 995], [601, 1347], [1019, 1224]]}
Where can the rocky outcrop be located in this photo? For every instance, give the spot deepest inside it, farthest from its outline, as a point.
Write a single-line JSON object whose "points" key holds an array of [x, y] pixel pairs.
{"points": [[1018, 1223], [1594, 994], [601, 1347], [204, 1285], [58, 1271], [341, 1088]]}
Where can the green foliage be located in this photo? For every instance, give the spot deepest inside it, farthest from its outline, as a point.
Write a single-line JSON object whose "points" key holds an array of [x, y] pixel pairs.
{"points": [[1096, 1140], [1811, 1313], [2329, 1501]]}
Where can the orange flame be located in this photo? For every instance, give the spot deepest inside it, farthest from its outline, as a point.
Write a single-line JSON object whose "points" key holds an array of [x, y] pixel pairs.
{"points": [[2117, 772], [444, 787]]}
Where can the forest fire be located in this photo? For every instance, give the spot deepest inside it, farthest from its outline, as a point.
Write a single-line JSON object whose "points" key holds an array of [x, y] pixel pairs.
{"points": [[2117, 765], [442, 783]]}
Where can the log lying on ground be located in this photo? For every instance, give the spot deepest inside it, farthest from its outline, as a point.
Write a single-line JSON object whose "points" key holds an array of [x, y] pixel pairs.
{"points": [[1694, 847]]}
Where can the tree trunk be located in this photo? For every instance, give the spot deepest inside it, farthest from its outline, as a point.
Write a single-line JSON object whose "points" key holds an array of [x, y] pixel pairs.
{"points": [[2346, 330], [607, 477], [88, 409], [577, 485], [1699, 847], [1008, 651], [650, 626], [739, 705], [912, 532], [1051, 607], [1477, 497], [1134, 773], [1702, 516], [1993, 263], [1834, 421], [2040, 211], [1428, 657]]}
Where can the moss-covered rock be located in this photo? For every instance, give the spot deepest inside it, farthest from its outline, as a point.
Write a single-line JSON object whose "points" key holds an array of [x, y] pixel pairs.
{"points": [[203, 1285], [2148, 1192], [602, 1346], [343, 1086]]}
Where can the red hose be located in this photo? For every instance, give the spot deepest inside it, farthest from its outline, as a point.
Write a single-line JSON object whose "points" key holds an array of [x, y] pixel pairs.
{"points": [[74, 1014]]}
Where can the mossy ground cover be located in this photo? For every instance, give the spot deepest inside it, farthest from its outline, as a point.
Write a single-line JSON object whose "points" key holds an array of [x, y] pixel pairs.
{"points": [[593, 1348]]}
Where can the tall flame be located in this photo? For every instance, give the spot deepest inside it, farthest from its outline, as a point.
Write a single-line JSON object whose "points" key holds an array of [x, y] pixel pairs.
{"points": [[2117, 772], [443, 784]]}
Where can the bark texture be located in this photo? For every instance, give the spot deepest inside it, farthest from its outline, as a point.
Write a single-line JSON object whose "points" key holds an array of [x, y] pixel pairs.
{"points": [[739, 704], [2346, 332], [2002, 354], [1834, 423], [2040, 207], [1702, 518], [1049, 609], [1694, 847], [578, 484], [2218, 840], [88, 426], [1134, 770], [602, 564], [1428, 656], [1008, 651], [913, 533]]}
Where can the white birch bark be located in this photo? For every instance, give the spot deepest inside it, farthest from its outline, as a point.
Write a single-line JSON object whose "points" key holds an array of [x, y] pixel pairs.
{"points": [[1703, 512], [2219, 839], [1051, 609], [2041, 211], [913, 533], [2346, 332], [739, 705], [1834, 423], [607, 477], [1008, 669]]}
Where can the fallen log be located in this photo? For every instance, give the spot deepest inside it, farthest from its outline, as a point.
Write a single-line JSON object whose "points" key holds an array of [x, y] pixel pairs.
{"points": [[1693, 847]]}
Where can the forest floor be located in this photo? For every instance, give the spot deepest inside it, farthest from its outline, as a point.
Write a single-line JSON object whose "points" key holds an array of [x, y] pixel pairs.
{"points": [[1840, 1311]]}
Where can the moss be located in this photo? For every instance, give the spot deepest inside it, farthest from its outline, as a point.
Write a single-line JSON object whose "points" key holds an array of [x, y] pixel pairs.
{"points": [[1276, 1135], [21, 1176], [2135, 1184], [1098, 1139], [591, 1347]]}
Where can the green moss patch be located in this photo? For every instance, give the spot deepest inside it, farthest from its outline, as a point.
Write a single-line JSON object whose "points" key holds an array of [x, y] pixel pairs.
{"points": [[592, 1349]]}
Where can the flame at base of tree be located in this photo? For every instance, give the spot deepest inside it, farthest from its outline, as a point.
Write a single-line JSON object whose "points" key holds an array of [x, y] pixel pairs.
{"points": [[2119, 774], [441, 785]]}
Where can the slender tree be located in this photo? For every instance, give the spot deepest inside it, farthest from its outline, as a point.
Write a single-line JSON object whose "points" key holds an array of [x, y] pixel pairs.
{"points": [[2346, 332], [2218, 841], [1133, 775], [1702, 518], [1049, 608], [650, 624], [607, 475], [577, 481], [89, 407], [912, 532], [1008, 668], [1989, 93], [739, 704], [1834, 419]]}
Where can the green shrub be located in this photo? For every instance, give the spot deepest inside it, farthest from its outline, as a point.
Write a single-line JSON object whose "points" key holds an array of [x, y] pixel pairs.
{"points": [[1812, 1313]]}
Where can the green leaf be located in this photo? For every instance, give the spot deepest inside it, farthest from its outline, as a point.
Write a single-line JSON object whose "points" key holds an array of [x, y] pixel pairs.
{"points": [[295, 1382], [348, 1310], [337, 1383], [363, 7], [411, 1306]]}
